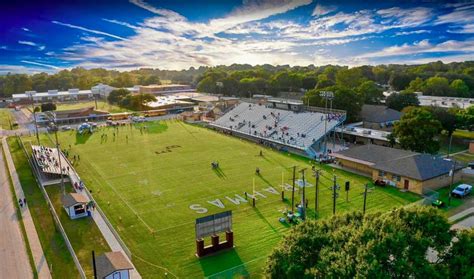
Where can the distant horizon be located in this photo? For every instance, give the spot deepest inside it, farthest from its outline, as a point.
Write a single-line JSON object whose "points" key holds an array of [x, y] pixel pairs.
{"points": [[49, 36], [51, 72]]}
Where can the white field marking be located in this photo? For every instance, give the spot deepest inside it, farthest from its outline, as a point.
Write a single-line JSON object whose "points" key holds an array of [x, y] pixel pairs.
{"points": [[155, 265], [121, 198]]}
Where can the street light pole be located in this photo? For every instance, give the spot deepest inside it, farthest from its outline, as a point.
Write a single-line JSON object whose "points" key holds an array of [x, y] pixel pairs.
{"points": [[365, 196], [304, 195], [34, 116], [55, 127], [452, 182], [327, 95], [316, 194]]}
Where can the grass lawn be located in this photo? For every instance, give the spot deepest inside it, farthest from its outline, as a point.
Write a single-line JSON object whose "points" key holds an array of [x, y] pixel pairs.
{"points": [[83, 233], [101, 105], [464, 157], [6, 119], [147, 182], [444, 196], [465, 134], [54, 247]]}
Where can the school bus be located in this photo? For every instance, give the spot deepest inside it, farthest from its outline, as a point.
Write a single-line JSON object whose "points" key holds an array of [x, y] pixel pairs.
{"points": [[156, 112], [119, 116]]}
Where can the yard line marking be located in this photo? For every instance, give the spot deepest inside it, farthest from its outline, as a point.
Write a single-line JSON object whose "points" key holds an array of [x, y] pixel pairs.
{"points": [[217, 273], [155, 265]]}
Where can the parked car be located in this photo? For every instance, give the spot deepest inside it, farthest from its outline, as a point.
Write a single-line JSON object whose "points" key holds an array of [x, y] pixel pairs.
{"points": [[461, 191], [380, 182], [66, 128]]}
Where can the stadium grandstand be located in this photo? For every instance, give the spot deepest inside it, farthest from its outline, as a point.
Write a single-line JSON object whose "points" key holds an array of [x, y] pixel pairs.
{"points": [[302, 130]]}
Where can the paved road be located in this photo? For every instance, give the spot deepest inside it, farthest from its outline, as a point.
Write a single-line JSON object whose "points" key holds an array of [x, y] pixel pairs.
{"points": [[39, 258], [13, 253]]}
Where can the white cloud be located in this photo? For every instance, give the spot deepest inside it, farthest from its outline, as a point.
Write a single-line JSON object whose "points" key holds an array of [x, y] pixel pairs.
{"points": [[28, 43], [423, 46], [404, 33], [321, 10], [41, 48], [465, 29], [25, 29], [126, 24], [460, 14], [168, 40], [256, 10], [39, 64], [88, 30]]}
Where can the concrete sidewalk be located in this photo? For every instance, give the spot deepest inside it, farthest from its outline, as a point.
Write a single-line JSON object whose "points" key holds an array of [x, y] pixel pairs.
{"points": [[101, 223], [39, 258], [13, 252]]}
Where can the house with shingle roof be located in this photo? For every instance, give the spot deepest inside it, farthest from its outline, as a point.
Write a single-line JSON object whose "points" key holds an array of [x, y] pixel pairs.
{"points": [[403, 169], [113, 265], [379, 117]]}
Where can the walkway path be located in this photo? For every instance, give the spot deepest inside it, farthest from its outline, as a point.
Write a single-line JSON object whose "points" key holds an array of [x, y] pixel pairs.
{"points": [[101, 223], [41, 265], [15, 262]]}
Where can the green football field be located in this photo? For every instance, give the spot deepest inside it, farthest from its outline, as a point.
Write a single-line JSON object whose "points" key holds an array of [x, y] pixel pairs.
{"points": [[152, 183]]}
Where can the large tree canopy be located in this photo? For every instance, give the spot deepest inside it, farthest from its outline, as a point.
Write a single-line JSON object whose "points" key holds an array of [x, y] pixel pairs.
{"points": [[378, 245], [417, 130]]}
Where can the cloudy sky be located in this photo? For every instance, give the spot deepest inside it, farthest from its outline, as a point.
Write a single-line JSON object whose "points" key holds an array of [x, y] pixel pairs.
{"points": [[47, 36]]}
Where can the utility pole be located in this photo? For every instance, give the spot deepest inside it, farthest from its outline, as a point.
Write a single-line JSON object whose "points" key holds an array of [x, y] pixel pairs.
{"points": [[34, 116], [282, 186], [449, 147], [93, 264], [316, 193], [334, 196], [365, 196], [59, 158], [452, 182], [327, 95], [304, 195], [293, 191]]}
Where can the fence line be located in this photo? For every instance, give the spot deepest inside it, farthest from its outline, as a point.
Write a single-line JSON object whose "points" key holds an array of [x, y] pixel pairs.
{"points": [[97, 207], [53, 212]]}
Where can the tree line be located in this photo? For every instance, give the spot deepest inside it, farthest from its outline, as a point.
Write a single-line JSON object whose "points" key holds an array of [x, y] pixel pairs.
{"points": [[84, 79], [413, 242]]}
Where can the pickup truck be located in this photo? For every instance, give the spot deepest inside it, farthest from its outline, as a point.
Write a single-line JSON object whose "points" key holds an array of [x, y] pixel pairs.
{"points": [[461, 190]]}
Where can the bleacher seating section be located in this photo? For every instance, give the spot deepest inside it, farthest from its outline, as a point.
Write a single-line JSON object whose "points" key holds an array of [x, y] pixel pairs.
{"points": [[299, 130]]}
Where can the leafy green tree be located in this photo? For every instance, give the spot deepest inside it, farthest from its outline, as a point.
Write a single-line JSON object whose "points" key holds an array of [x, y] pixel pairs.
{"points": [[446, 117], [417, 131], [48, 107], [437, 86], [371, 92], [350, 78], [458, 260], [324, 81], [398, 101], [460, 88], [116, 96], [393, 244], [344, 98], [399, 81], [416, 85]]}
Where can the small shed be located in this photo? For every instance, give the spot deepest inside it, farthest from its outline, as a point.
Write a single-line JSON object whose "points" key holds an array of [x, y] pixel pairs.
{"points": [[75, 205], [113, 265]]}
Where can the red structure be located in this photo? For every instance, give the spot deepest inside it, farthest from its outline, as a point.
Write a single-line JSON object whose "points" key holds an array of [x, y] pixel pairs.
{"points": [[215, 246], [211, 226]]}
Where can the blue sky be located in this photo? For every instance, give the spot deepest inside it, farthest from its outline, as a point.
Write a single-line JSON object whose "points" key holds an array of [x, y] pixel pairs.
{"points": [[46, 36]]}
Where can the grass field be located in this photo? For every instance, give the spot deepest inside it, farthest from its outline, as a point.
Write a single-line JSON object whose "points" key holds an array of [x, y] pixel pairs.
{"points": [[5, 119], [101, 105], [146, 183], [54, 247]]}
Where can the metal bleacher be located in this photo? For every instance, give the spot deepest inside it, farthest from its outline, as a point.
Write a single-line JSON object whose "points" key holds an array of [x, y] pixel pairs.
{"points": [[299, 130]]}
